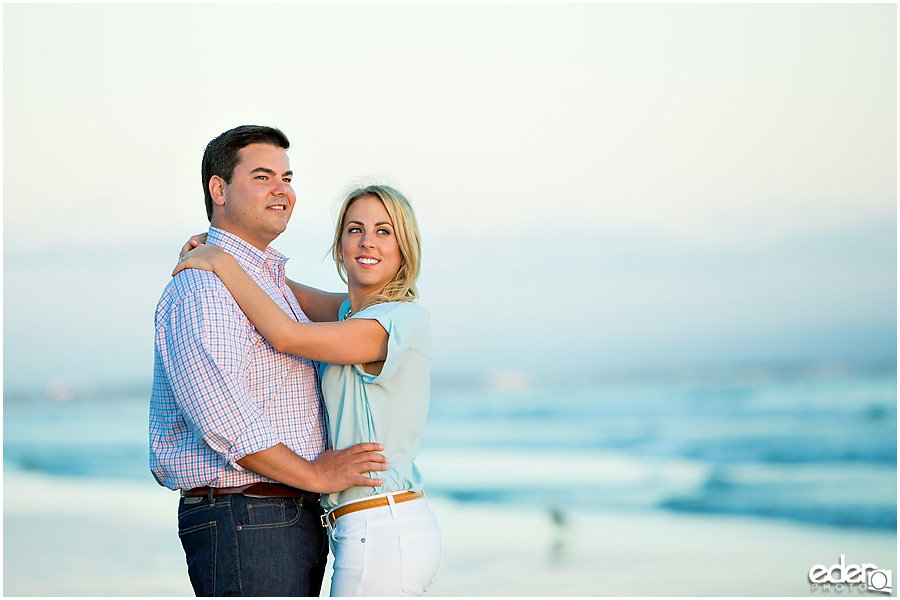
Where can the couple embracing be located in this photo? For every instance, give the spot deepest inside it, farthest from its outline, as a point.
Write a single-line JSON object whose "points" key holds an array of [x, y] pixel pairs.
{"points": [[289, 418]]}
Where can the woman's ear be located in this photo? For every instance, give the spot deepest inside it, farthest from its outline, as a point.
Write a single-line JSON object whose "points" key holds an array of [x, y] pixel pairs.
{"points": [[217, 190]]}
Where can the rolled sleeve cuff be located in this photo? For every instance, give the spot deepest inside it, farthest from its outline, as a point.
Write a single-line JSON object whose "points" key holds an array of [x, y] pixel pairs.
{"points": [[256, 437]]}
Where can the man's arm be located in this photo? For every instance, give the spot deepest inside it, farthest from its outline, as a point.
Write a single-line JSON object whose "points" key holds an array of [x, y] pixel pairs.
{"points": [[332, 472]]}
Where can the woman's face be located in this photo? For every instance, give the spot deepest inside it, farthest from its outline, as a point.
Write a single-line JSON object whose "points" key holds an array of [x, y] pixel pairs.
{"points": [[369, 247]]}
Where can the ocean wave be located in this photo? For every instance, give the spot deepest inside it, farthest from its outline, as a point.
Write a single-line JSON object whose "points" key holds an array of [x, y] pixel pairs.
{"points": [[108, 460], [868, 517], [839, 494]]}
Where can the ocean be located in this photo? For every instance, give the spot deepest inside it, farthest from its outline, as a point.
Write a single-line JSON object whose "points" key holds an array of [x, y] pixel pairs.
{"points": [[815, 447]]}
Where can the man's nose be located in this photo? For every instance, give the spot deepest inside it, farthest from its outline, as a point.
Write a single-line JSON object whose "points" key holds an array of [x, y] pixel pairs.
{"points": [[281, 188]]}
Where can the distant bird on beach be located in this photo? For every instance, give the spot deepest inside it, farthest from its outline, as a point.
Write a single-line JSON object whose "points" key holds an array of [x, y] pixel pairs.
{"points": [[558, 516]]}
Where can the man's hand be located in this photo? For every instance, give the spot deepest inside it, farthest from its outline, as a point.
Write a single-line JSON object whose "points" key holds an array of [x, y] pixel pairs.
{"points": [[337, 470]]}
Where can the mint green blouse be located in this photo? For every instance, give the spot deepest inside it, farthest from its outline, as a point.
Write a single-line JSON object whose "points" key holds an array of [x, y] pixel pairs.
{"points": [[389, 408]]}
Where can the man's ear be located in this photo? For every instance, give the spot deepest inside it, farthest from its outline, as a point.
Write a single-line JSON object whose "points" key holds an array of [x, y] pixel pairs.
{"points": [[217, 190]]}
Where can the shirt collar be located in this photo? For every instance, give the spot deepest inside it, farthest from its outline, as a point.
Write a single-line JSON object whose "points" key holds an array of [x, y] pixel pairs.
{"points": [[248, 256]]}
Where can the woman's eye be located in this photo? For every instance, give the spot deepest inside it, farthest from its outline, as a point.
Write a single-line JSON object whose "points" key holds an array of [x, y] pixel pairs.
{"points": [[384, 231], [354, 230]]}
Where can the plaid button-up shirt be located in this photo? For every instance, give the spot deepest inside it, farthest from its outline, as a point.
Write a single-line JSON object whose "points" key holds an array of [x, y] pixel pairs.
{"points": [[220, 391]]}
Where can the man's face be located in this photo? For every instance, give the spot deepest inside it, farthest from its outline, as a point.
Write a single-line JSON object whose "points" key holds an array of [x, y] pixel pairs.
{"points": [[256, 206]]}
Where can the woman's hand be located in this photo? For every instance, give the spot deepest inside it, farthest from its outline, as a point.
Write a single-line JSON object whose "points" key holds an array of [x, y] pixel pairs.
{"points": [[192, 243], [205, 257]]}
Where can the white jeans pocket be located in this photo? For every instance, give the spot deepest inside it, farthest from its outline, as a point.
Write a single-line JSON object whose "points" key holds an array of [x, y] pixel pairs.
{"points": [[420, 559]]}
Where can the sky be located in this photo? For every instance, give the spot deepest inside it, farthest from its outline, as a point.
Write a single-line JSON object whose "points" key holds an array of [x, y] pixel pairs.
{"points": [[600, 187]]}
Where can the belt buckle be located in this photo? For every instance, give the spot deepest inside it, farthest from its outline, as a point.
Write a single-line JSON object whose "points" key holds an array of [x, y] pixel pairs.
{"points": [[324, 519]]}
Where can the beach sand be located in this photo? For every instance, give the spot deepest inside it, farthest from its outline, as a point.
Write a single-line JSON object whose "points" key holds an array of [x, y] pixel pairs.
{"points": [[80, 537]]}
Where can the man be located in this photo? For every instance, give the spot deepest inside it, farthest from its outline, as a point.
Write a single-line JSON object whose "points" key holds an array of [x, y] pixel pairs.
{"points": [[235, 425]]}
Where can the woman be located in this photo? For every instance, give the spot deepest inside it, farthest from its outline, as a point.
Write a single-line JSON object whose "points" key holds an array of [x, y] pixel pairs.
{"points": [[374, 369]]}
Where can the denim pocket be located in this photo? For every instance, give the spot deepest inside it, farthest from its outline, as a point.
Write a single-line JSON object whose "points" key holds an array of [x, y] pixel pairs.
{"points": [[198, 538], [266, 512]]}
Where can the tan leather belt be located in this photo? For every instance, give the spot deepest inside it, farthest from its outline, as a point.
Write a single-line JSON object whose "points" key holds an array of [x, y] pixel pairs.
{"points": [[254, 490], [330, 517]]}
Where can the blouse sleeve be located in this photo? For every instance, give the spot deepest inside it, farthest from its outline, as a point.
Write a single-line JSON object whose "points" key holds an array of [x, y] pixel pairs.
{"points": [[408, 327]]}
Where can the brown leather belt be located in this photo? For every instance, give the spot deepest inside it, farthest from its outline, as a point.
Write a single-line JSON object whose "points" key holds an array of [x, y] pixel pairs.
{"points": [[330, 517], [253, 490]]}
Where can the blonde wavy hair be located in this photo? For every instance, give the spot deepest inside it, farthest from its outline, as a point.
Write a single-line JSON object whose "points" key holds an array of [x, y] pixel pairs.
{"points": [[406, 229]]}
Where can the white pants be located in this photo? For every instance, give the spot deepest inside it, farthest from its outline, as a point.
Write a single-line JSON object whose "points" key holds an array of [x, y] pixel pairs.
{"points": [[392, 550]]}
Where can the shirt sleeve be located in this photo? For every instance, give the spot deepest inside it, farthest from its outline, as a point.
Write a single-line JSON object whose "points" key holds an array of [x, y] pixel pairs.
{"points": [[208, 367], [408, 327]]}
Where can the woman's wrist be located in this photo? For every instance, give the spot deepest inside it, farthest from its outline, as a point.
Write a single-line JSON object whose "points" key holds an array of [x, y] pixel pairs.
{"points": [[228, 268], [220, 262]]}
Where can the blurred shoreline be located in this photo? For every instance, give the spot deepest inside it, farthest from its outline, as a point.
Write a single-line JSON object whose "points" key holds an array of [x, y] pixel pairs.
{"points": [[98, 537]]}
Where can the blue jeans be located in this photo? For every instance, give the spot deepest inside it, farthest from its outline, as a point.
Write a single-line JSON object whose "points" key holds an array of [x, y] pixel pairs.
{"points": [[237, 546]]}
